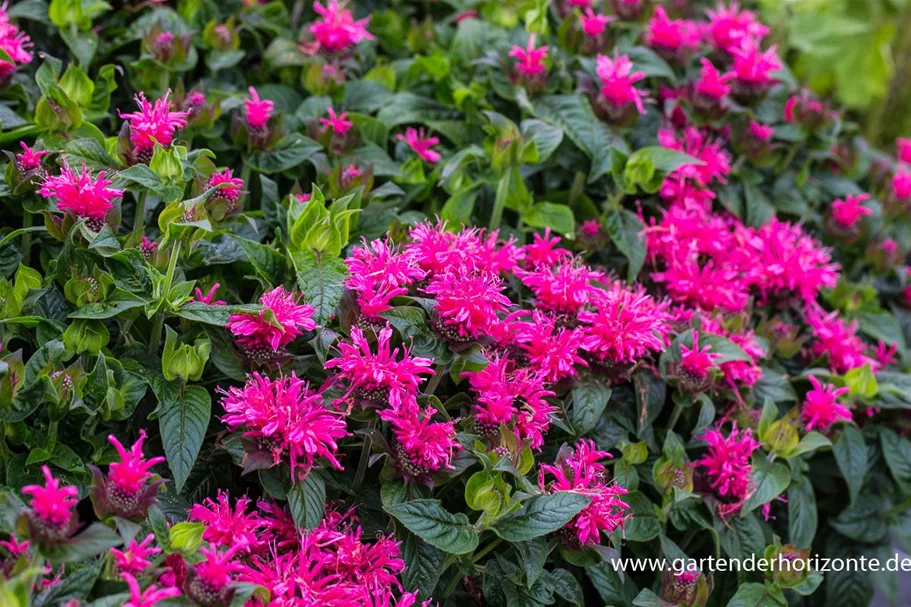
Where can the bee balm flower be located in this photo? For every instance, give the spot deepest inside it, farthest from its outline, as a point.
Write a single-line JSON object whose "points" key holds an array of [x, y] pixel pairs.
{"points": [[262, 338], [728, 467], [257, 112], [337, 30], [421, 144], [51, 515], [125, 491], [153, 123], [82, 196], [821, 408], [848, 212], [618, 97]]}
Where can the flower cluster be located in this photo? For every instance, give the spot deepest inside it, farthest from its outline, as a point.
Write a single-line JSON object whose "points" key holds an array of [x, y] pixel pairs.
{"points": [[728, 468], [153, 123], [272, 329], [126, 491]]}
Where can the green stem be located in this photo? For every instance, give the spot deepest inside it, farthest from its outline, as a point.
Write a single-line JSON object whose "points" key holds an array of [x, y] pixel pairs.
{"points": [[675, 416], [452, 583], [26, 238], [435, 380], [477, 557], [139, 219], [158, 323], [20, 232], [365, 456], [499, 202]]}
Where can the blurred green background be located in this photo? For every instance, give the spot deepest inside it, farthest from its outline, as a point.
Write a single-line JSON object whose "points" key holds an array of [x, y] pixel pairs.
{"points": [[856, 52]]}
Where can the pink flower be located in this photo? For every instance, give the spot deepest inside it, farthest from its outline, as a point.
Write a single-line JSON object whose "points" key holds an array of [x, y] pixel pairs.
{"points": [[339, 125], [147, 248], [80, 194], [617, 80], [126, 490], [552, 351], [761, 132], [565, 288], [468, 303], [530, 60], [903, 149], [754, 67], [696, 362], [51, 511], [728, 467], [284, 416], [423, 446], [730, 28], [901, 184], [716, 162], [150, 597], [543, 250], [231, 187], [14, 43], [213, 577], [885, 354], [257, 112], [135, 559], [821, 408], [377, 272], [671, 36], [338, 29], [838, 339], [421, 144], [712, 84], [129, 475], [625, 325], [437, 250], [578, 470], [29, 159], [153, 123], [291, 320], [382, 377], [847, 212], [227, 526], [512, 396], [593, 25], [302, 197], [805, 110], [209, 297]]}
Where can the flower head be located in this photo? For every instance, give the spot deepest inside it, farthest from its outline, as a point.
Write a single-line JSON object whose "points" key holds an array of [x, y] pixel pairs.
{"points": [[231, 187], [80, 194], [754, 67], [579, 470], [135, 559], [208, 298], [761, 132], [821, 408], [554, 351], [284, 417], [29, 159], [730, 28], [130, 474], [227, 526], [14, 43], [377, 272], [727, 465], [51, 512], [625, 325], [837, 339], [671, 37], [617, 80], [848, 212], [543, 251], [289, 320], [903, 149], [153, 123], [901, 184], [565, 288], [338, 30], [712, 84], [126, 490], [530, 60], [338, 124], [424, 446], [421, 144], [384, 376], [696, 362], [593, 25], [209, 581], [257, 112], [468, 303], [150, 597]]}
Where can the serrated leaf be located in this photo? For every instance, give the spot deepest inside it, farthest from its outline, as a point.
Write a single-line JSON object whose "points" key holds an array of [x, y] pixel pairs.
{"points": [[322, 281], [183, 420], [307, 501], [427, 519], [541, 515], [850, 452]]}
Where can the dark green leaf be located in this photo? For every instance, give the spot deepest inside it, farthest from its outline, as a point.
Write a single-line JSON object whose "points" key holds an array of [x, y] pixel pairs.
{"points": [[427, 519], [541, 515]]}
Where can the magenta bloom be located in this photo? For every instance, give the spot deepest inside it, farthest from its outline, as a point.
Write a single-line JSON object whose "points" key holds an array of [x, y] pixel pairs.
{"points": [[530, 60], [553, 352], [14, 43], [291, 320], [423, 446], [728, 467], [257, 112], [29, 159], [754, 67], [377, 272], [578, 470], [712, 84], [625, 325], [227, 526], [901, 184], [135, 559], [696, 362], [761, 132], [565, 288], [126, 490], [209, 297], [839, 340], [593, 25], [512, 396], [230, 187], [671, 37], [437, 250], [886, 354], [150, 597], [848, 212], [338, 124], [153, 123], [338, 29], [617, 80], [543, 251], [730, 28], [213, 577], [421, 144], [821, 408], [468, 303], [80, 194], [51, 512], [382, 377], [284, 417], [903, 149], [129, 475]]}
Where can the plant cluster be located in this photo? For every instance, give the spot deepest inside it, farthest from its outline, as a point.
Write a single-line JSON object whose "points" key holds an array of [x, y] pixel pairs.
{"points": [[451, 303]]}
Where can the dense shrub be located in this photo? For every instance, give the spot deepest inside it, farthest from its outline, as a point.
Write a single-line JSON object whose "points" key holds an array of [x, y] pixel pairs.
{"points": [[451, 303]]}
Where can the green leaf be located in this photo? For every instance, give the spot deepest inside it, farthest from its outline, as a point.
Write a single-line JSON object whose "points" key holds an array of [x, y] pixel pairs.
{"points": [[862, 382], [757, 595], [865, 520], [424, 564], [427, 519], [769, 481], [589, 401], [802, 515], [90, 152], [183, 419], [459, 207], [558, 217], [850, 452], [532, 556], [897, 453], [644, 524], [94, 540], [215, 315], [566, 586], [321, 277], [547, 138], [186, 537], [289, 153], [307, 501], [541, 515], [626, 232]]}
